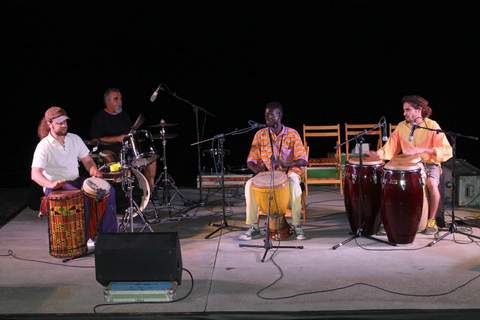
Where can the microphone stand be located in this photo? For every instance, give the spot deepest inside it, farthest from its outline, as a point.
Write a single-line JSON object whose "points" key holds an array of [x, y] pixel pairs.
{"points": [[453, 226], [267, 242], [197, 129], [359, 138], [221, 140]]}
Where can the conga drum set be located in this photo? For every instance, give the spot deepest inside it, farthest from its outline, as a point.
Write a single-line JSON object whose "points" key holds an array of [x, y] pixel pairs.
{"points": [[391, 193], [362, 189]]}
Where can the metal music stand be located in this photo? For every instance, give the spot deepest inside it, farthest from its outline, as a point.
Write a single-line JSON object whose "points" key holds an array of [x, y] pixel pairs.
{"points": [[267, 242], [221, 153], [453, 137], [359, 139]]}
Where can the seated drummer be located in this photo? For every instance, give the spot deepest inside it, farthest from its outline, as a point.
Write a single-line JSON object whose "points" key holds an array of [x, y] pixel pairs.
{"points": [[433, 149], [112, 124], [284, 146], [55, 162]]}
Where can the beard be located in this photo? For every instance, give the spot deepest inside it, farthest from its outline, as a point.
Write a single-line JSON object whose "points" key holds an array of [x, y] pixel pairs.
{"points": [[61, 132]]}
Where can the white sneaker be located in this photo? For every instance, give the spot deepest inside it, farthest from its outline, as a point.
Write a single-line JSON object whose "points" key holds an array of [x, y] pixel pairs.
{"points": [[252, 233], [300, 235]]}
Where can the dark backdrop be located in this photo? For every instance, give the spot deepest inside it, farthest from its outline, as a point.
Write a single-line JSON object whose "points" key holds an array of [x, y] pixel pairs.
{"points": [[328, 62]]}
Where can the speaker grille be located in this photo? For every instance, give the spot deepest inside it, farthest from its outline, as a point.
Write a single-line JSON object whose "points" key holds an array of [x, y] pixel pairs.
{"points": [[125, 257]]}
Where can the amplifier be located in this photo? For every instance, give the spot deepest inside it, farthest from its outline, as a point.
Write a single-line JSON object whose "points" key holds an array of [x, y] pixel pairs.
{"points": [[467, 184], [231, 181]]}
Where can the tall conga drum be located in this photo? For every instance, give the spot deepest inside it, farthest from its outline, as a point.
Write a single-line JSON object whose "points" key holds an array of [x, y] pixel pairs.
{"points": [[96, 191], [363, 190], [402, 201], [66, 224], [275, 184]]}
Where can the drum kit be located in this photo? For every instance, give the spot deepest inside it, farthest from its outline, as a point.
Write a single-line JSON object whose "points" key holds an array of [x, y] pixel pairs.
{"points": [[137, 151]]}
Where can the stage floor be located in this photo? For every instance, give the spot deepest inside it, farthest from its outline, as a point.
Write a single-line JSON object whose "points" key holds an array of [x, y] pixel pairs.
{"points": [[361, 275]]}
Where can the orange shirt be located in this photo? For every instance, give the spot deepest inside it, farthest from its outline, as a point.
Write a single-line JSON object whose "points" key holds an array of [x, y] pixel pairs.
{"points": [[422, 138], [286, 146]]}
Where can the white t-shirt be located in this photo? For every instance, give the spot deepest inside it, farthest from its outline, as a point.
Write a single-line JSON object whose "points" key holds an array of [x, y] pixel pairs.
{"points": [[59, 162]]}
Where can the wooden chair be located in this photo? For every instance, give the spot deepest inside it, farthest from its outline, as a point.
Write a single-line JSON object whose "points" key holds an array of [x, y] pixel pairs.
{"points": [[323, 170], [355, 129]]}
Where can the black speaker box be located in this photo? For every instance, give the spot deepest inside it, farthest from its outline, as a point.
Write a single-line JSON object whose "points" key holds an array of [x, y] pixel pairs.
{"points": [[129, 257]]}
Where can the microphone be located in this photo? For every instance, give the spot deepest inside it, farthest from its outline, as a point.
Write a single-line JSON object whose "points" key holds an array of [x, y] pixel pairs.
{"points": [[384, 130], [412, 129], [155, 93], [256, 125]]}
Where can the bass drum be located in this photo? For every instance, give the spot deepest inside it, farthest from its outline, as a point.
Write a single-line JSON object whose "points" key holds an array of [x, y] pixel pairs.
{"points": [[141, 192]]}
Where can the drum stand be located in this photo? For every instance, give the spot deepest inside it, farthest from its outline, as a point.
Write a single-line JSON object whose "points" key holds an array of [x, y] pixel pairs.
{"points": [[133, 207], [453, 226], [267, 242], [165, 181], [359, 232]]}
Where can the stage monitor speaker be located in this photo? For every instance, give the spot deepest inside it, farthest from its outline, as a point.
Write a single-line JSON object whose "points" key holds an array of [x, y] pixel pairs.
{"points": [[467, 184], [138, 257]]}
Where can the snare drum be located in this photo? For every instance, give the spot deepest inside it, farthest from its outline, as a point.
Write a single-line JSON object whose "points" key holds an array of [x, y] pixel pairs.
{"points": [[362, 189], [143, 150], [96, 191], [66, 224], [261, 188], [402, 201]]}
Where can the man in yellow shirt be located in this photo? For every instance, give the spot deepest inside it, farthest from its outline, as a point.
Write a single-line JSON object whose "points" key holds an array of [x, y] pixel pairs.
{"points": [[276, 147], [432, 147]]}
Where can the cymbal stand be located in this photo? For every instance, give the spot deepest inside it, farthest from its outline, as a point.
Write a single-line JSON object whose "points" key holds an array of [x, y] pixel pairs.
{"points": [[127, 186], [359, 232], [195, 108], [165, 181], [221, 139]]}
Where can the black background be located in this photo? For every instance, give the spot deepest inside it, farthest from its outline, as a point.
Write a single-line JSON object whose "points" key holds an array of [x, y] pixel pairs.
{"points": [[326, 62]]}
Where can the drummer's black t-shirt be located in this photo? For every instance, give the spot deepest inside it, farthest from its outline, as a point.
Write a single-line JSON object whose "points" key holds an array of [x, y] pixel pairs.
{"points": [[105, 124]]}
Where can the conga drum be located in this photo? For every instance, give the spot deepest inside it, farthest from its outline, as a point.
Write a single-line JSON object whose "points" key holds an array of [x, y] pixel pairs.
{"points": [[402, 201], [363, 190], [96, 191], [262, 187], [66, 224]]}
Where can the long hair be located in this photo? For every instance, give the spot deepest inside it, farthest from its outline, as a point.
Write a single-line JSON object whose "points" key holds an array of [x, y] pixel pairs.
{"points": [[43, 129], [419, 103]]}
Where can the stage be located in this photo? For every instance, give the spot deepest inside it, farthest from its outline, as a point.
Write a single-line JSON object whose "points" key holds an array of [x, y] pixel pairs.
{"points": [[361, 275]]}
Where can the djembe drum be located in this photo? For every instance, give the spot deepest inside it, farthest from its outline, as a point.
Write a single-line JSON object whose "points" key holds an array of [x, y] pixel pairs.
{"points": [[96, 192], [66, 224], [262, 187]]}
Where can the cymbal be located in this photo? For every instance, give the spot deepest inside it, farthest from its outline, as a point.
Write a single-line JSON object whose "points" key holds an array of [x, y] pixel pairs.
{"points": [[162, 125], [158, 136], [96, 142]]}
